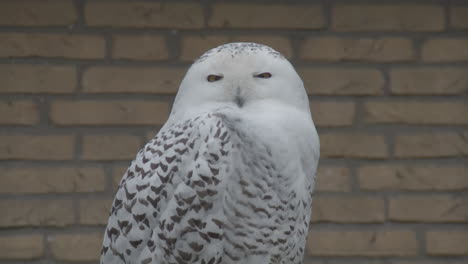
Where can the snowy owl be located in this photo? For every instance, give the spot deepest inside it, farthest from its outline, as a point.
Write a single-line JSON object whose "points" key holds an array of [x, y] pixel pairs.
{"points": [[229, 178]]}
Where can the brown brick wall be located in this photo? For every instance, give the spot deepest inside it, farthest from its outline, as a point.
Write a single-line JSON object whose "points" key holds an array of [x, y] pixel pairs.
{"points": [[388, 83]]}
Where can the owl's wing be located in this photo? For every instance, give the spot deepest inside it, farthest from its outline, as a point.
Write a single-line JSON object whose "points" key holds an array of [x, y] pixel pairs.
{"points": [[169, 192]]}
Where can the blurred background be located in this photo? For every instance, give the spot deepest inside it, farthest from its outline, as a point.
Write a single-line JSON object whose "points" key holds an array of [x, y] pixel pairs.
{"points": [[84, 84]]}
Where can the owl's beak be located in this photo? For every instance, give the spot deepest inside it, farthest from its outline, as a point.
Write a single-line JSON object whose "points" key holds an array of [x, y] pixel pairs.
{"points": [[239, 100]]}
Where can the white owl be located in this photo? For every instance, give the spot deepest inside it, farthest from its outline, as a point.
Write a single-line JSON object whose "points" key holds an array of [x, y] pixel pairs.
{"points": [[229, 178]]}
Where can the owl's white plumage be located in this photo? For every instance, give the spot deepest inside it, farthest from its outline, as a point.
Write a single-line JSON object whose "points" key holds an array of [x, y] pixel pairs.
{"points": [[229, 178]]}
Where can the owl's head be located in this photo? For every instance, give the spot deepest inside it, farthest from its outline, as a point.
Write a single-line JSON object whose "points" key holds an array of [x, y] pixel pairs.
{"points": [[241, 75]]}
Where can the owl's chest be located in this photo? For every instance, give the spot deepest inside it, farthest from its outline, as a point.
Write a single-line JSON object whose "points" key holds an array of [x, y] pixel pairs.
{"points": [[257, 201]]}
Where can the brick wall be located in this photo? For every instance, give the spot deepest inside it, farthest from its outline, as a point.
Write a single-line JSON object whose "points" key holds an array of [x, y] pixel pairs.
{"points": [[388, 82]]}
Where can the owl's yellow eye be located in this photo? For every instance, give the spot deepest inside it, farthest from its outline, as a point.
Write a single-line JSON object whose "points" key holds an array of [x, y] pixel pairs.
{"points": [[264, 75], [213, 78]]}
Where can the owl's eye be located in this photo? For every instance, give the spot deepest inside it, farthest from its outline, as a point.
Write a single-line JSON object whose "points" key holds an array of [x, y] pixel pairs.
{"points": [[213, 78], [264, 75]]}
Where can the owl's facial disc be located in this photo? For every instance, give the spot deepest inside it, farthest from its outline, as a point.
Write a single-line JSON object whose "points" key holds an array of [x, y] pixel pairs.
{"points": [[238, 83], [242, 75]]}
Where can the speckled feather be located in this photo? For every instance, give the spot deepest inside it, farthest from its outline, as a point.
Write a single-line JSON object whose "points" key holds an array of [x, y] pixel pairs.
{"points": [[237, 48], [209, 188]]}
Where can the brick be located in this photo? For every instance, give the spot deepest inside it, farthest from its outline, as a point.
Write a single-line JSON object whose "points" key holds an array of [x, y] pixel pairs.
{"points": [[109, 112], [18, 213], [77, 247], [118, 173], [110, 147], [333, 113], [37, 79], [432, 80], [387, 17], [132, 80], [415, 178], [32, 13], [362, 243], [314, 261], [445, 49], [417, 260], [194, 46], [139, 14], [144, 47], [19, 112], [383, 49], [21, 247], [428, 208], [416, 112], [94, 211], [430, 261], [447, 243], [459, 17], [151, 134], [427, 145], [323, 81], [336, 179], [235, 15], [348, 209], [14, 45], [52, 180], [353, 145], [52, 147]]}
